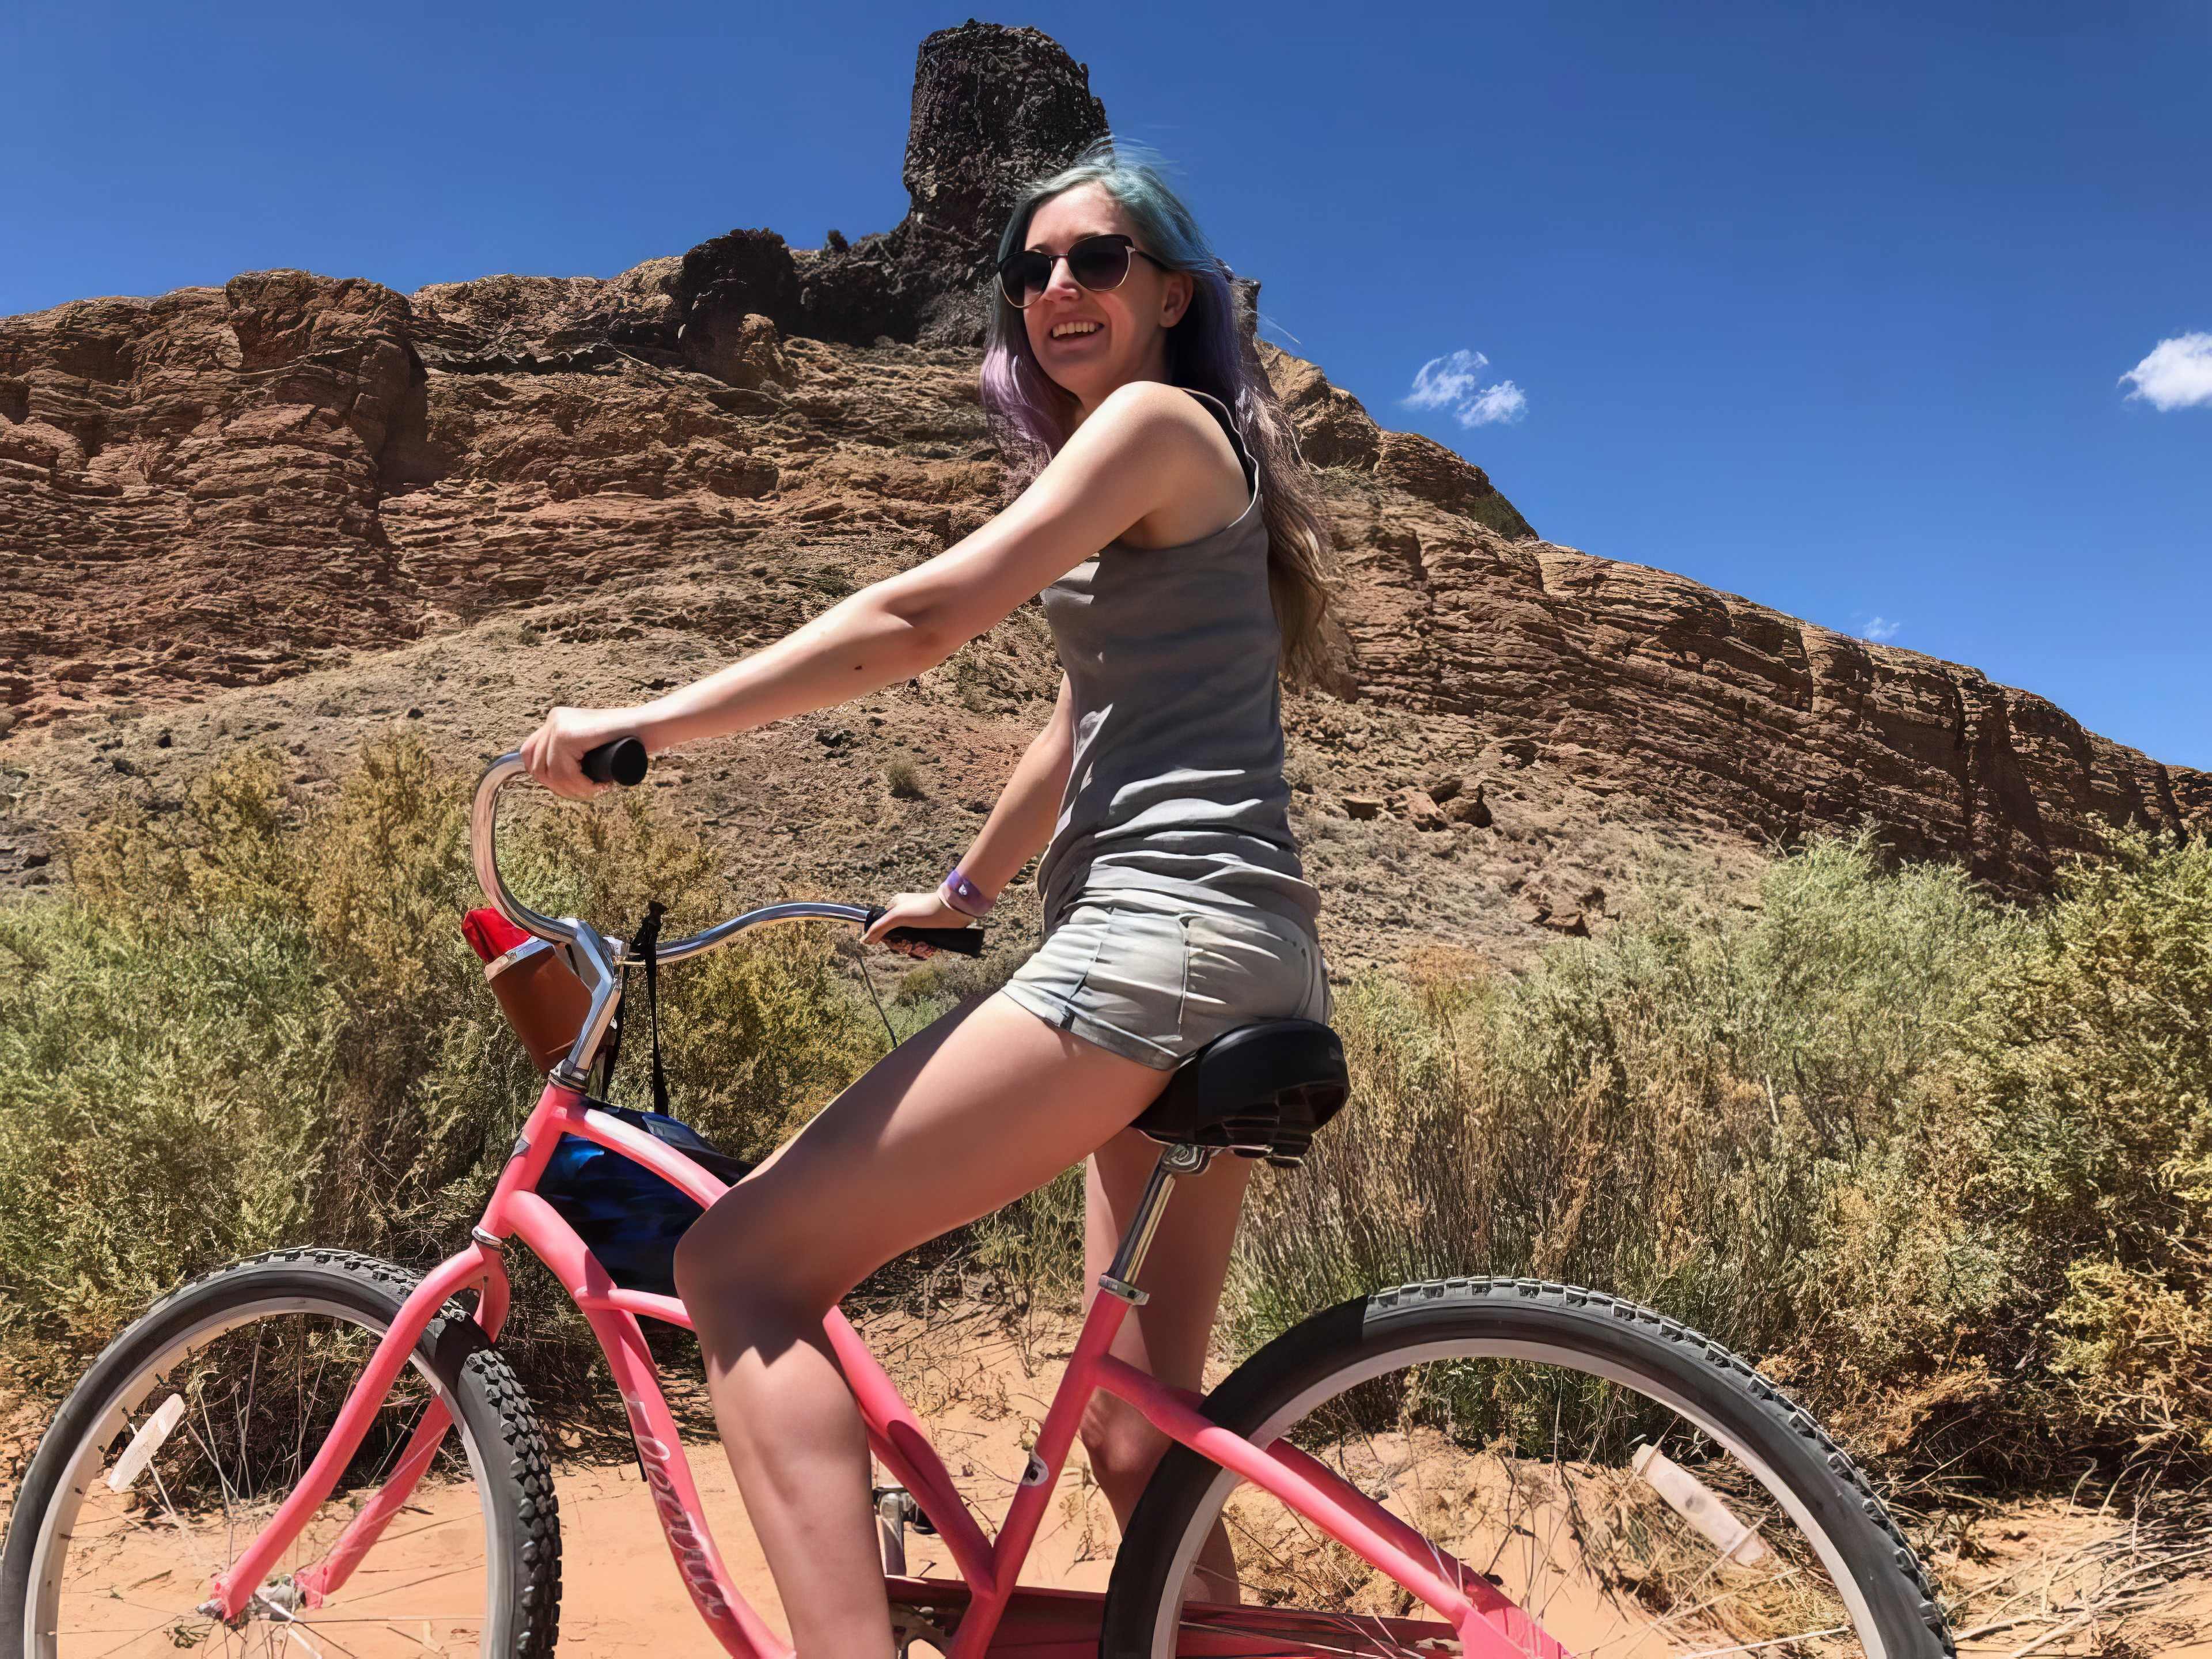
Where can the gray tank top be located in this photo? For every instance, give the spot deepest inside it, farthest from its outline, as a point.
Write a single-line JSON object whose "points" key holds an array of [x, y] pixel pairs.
{"points": [[1177, 782]]}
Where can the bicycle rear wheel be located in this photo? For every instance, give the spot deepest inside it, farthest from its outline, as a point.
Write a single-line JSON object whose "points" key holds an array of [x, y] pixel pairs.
{"points": [[206, 1412], [1633, 1487]]}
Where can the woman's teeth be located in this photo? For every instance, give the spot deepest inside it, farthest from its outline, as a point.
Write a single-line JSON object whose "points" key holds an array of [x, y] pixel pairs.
{"points": [[1064, 331]]}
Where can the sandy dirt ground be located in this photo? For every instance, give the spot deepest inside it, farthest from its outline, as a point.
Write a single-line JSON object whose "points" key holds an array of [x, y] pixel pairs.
{"points": [[981, 1385], [2027, 1578], [2047, 1577]]}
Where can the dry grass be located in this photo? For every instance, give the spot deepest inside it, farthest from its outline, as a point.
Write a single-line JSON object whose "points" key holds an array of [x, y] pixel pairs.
{"points": [[1946, 1168], [902, 778], [2056, 1576], [249, 1024]]}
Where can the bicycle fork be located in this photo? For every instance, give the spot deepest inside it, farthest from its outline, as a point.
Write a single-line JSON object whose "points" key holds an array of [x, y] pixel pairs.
{"points": [[232, 1591], [483, 1263]]}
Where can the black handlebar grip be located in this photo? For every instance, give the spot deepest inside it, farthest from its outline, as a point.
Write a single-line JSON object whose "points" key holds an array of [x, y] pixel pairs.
{"points": [[623, 762], [963, 941]]}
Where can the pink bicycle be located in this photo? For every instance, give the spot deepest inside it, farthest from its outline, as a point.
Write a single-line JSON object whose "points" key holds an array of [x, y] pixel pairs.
{"points": [[317, 1452]]}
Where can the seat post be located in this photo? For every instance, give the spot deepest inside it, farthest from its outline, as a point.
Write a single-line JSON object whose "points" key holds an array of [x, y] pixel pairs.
{"points": [[1120, 1274]]}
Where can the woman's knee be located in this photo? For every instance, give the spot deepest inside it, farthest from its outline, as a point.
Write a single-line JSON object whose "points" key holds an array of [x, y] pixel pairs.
{"points": [[695, 1267], [748, 1252], [728, 1251]]}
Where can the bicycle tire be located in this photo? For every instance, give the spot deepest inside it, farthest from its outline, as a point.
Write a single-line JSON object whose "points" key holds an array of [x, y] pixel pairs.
{"points": [[309, 1316], [1427, 1352]]}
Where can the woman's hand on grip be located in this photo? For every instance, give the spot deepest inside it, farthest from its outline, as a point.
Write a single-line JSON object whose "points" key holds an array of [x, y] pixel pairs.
{"points": [[555, 751], [915, 910]]}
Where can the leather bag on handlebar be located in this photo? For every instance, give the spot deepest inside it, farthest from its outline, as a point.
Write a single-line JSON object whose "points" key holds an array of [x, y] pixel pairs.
{"points": [[539, 994]]}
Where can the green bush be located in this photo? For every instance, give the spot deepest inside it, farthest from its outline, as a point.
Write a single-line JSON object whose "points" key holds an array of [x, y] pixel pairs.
{"points": [[1944, 1166], [2092, 1069], [1671, 1115], [248, 1022], [156, 1112]]}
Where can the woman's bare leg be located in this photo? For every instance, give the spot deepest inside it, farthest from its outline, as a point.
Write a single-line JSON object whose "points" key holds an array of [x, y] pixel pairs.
{"points": [[1168, 1335], [985, 1104]]}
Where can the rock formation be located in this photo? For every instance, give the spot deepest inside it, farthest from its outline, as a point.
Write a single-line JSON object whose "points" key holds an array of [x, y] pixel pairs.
{"points": [[994, 110], [191, 487], [286, 475]]}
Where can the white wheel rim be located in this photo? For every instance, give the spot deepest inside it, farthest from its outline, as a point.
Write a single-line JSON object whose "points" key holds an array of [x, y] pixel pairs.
{"points": [[41, 1609], [1168, 1620]]}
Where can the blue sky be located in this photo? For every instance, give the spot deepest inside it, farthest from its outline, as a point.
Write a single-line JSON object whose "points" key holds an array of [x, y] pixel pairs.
{"points": [[1825, 305]]}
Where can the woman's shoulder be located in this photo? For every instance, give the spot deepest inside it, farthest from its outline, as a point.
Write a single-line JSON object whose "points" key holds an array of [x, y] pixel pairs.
{"points": [[1160, 421], [1156, 405], [1153, 416]]}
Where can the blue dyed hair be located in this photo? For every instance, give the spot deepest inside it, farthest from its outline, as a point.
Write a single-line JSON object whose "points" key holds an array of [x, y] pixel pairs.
{"points": [[1209, 350]]}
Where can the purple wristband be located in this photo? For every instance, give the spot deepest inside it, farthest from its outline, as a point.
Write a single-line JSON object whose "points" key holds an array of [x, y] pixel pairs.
{"points": [[964, 895]]}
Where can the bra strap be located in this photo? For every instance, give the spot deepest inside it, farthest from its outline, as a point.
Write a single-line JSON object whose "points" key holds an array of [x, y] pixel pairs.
{"points": [[1219, 410]]}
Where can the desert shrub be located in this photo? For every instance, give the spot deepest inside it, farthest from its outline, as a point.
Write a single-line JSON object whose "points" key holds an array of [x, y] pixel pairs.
{"points": [[1725, 1113], [156, 1108], [2137, 1348], [902, 778], [2092, 1070], [1659, 1113], [1033, 1248], [249, 1023], [1945, 1166], [2093, 1061]]}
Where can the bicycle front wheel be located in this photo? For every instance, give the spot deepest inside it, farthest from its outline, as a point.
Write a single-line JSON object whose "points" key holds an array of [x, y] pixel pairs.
{"points": [[197, 1422], [1631, 1486]]}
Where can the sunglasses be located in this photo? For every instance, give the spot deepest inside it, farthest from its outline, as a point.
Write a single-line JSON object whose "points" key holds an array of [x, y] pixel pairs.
{"points": [[1098, 264]]}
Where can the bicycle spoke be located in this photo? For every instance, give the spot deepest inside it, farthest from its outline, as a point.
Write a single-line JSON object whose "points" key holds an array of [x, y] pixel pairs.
{"points": [[417, 1532], [1504, 1470], [135, 1635], [262, 1392], [427, 1578]]}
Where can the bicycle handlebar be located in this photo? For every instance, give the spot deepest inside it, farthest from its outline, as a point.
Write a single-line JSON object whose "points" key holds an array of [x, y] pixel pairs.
{"points": [[618, 768], [597, 959], [624, 762]]}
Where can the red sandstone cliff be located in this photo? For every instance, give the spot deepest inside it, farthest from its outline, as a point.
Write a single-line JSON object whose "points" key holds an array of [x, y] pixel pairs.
{"points": [[233, 486]]}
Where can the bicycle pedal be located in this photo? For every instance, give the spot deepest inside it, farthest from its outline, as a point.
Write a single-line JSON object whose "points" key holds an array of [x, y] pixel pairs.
{"points": [[903, 1505]]}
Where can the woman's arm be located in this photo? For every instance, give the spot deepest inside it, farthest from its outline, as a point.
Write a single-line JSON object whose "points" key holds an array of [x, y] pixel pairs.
{"points": [[1148, 447], [1020, 824]]}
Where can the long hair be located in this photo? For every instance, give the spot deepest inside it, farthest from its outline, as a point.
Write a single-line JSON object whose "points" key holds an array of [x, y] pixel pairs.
{"points": [[1209, 350]]}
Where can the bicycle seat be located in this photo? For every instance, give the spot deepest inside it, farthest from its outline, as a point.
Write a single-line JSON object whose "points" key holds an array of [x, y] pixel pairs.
{"points": [[1260, 1092]]}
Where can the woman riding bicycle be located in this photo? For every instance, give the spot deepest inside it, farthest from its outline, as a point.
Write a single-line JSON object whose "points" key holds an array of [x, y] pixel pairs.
{"points": [[1162, 516]]}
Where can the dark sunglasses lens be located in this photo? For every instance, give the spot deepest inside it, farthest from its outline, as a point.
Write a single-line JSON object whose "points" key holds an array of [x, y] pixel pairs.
{"points": [[1023, 276], [1099, 263]]}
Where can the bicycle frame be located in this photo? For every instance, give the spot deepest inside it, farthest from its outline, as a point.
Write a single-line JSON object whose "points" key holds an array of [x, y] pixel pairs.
{"points": [[991, 1609], [1469, 1609]]}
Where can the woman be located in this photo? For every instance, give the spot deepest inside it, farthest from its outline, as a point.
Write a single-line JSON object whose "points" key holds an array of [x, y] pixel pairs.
{"points": [[1173, 541]]}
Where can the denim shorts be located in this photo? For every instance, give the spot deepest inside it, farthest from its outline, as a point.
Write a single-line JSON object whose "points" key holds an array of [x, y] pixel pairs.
{"points": [[1155, 977]]}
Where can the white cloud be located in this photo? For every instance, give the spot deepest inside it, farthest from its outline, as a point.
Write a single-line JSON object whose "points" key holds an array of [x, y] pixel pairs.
{"points": [[1502, 402], [1881, 628], [2177, 374], [1455, 383]]}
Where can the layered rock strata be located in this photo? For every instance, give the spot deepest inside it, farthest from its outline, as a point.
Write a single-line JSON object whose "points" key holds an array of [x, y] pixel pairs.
{"points": [[235, 486]]}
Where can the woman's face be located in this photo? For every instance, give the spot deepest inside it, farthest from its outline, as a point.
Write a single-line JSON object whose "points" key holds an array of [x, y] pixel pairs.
{"points": [[1091, 343]]}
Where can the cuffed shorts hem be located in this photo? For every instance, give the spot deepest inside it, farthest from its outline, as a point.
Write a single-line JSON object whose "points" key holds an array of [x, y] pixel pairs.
{"points": [[1154, 978], [1062, 1015]]}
